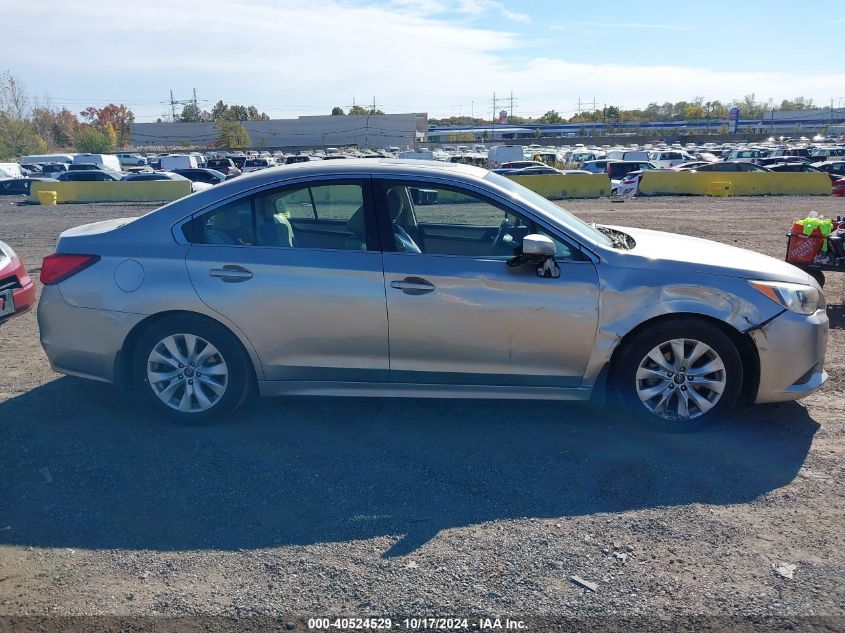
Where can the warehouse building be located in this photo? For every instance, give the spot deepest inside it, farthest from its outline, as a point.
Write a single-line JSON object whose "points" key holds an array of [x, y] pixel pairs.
{"points": [[376, 131]]}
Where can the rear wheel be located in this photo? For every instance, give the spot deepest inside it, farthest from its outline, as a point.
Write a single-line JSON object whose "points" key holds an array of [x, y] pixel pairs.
{"points": [[190, 370], [680, 375]]}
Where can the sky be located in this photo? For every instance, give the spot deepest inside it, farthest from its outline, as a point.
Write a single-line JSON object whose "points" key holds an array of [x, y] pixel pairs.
{"points": [[293, 58]]}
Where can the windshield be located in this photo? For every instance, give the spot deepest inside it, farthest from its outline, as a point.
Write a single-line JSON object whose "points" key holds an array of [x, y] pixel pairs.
{"points": [[562, 217]]}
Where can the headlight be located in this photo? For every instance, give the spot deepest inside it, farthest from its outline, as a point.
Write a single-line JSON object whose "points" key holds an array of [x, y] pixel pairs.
{"points": [[796, 297]]}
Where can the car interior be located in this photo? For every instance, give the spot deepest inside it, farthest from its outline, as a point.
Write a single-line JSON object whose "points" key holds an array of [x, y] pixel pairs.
{"points": [[454, 223]]}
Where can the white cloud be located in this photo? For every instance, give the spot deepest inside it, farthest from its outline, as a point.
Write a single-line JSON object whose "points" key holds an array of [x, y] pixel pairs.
{"points": [[290, 57], [623, 25]]}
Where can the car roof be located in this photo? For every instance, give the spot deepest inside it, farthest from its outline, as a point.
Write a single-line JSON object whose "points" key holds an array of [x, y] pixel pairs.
{"points": [[352, 168]]}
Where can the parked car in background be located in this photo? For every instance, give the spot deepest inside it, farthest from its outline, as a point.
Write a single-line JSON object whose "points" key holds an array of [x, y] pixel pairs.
{"points": [[629, 186], [765, 162], [827, 153], [254, 164], [728, 166], [790, 151], [313, 279], [628, 155], [104, 161], [534, 170], [498, 155], [86, 167], [304, 158], [30, 169], [90, 175], [20, 186], [750, 155], [665, 159], [10, 170], [223, 165], [834, 168], [131, 160], [164, 175], [47, 158], [51, 170], [691, 165], [800, 166], [618, 169], [208, 176], [595, 166], [17, 291], [838, 188], [177, 161], [522, 164]]}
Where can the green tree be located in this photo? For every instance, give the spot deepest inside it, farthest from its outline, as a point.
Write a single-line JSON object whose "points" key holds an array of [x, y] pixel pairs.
{"points": [[231, 135], [550, 117], [237, 113], [219, 111], [253, 114], [18, 135], [337, 111], [190, 113], [359, 110], [92, 139]]}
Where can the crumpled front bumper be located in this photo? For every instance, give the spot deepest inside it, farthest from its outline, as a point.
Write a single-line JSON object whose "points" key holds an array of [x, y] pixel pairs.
{"points": [[791, 348]]}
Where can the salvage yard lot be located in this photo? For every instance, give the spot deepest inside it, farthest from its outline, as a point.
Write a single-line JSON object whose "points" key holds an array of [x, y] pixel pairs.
{"points": [[369, 507]]}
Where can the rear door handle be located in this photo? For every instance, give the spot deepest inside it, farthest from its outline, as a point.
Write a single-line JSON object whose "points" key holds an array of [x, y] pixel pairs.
{"points": [[231, 273], [412, 285]]}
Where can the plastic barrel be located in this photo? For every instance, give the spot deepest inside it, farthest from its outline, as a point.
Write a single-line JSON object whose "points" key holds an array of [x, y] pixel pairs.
{"points": [[47, 197]]}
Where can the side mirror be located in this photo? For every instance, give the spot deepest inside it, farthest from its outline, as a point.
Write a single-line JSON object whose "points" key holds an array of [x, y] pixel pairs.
{"points": [[536, 244], [537, 250]]}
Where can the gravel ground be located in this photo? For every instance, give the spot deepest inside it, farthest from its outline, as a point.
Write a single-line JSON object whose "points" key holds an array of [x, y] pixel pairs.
{"points": [[367, 507]]}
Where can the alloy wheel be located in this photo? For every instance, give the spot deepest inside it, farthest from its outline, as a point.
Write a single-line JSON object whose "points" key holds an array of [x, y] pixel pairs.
{"points": [[680, 379], [187, 373]]}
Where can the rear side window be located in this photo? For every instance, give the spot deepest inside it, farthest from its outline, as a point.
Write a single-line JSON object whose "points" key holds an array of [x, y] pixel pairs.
{"points": [[324, 216]]}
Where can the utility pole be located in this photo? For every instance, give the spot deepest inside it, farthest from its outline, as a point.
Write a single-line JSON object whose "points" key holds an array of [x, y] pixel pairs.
{"points": [[493, 118], [579, 105], [511, 114], [172, 106]]}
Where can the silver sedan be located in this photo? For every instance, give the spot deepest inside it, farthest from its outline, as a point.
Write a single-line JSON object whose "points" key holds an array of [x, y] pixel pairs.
{"points": [[421, 279]]}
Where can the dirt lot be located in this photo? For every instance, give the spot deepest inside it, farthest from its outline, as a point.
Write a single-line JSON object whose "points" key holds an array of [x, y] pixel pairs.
{"points": [[317, 506]]}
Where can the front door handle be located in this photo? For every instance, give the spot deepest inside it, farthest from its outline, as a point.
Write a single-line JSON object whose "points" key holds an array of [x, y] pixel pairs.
{"points": [[412, 285], [231, 273]]}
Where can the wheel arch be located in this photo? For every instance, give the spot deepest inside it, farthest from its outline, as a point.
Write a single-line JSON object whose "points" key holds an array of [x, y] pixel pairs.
{"points": [[122, 369], [742, 341]]}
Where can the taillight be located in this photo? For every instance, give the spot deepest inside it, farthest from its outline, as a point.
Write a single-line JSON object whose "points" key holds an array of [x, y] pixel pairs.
{"points": [[59, 266]]}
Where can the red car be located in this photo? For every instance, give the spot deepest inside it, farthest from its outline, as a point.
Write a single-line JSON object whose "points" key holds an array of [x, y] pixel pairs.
{"points": [[17, 292], [839, 188]]}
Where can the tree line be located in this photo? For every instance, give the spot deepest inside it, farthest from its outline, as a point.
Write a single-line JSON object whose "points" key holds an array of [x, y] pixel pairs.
{"points": [[697, 109]]}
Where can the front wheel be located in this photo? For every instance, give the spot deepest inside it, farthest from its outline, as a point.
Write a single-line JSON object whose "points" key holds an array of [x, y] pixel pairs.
{"points": [[680, 375], [191, 370]]}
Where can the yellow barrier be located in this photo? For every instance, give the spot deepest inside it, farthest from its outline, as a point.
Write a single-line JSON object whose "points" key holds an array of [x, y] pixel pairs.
{"points": [[560, 186], [715, 183], [117, 191]]}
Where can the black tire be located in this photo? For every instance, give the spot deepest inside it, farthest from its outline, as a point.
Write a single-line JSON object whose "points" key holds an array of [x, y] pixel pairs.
{"points": [[239, 379], [625, 383]]}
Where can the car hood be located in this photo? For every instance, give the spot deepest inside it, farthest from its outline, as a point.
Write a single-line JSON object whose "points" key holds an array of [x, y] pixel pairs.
{"points": [[706, 256]]}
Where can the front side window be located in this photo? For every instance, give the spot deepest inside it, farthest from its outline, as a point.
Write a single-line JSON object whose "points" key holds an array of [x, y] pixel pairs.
{"points": [[321, 216], [439, 220]]}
